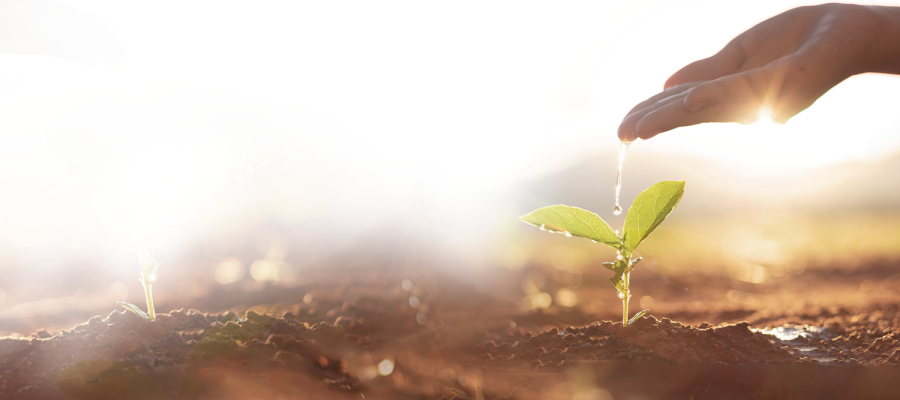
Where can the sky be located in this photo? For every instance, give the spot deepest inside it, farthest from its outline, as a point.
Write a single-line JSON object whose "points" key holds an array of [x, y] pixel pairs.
{"points": [[369, 102]]}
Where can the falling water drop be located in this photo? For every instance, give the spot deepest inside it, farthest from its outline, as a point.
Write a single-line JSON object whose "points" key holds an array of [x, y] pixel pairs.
{"points": [[622, 148]]}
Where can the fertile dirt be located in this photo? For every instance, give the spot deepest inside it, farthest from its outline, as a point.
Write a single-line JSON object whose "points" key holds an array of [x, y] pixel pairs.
{"points": [[358, 334]]}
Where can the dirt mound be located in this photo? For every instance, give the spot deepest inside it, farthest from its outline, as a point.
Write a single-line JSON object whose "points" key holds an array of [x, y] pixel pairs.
{"points": [[29, 363], [648, 339]]}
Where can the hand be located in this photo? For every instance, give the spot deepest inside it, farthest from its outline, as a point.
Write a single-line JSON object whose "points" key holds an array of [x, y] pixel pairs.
{"points": [[780, 66]]}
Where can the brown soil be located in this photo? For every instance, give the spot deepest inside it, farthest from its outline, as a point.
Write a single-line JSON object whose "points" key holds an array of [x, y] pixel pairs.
{"points": [[327, 340]]}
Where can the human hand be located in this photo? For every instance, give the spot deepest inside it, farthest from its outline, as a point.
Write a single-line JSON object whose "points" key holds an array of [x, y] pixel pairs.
{"points": [[781, 65]]}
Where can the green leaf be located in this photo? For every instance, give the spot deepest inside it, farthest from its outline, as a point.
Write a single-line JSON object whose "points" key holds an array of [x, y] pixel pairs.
{"points": [[575, 221], [620, 268], [106, 380], [133, 308], [610, 266], [649, 209], [636, 316]]}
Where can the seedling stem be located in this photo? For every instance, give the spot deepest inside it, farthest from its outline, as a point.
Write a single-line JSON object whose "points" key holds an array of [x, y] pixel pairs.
{"points": [[148, 266], [625, 298]]}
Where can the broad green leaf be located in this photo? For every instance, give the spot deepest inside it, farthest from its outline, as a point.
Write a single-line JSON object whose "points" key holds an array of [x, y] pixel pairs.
{"points": [[135, 309], [636, 316], [106, 380], [620, 268], [649, 209], [575, 221]]}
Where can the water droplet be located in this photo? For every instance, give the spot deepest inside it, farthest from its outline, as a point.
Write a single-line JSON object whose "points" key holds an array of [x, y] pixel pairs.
{"points": [[621, 296], [622, 148], [568, 234], [542, 227]]}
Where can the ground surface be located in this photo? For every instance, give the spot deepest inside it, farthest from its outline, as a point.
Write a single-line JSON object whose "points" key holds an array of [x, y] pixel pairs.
{"points": [[356, 333]]}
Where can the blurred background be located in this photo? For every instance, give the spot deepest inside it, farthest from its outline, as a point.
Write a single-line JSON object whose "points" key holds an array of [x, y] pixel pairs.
{"points": [[413, 135]]}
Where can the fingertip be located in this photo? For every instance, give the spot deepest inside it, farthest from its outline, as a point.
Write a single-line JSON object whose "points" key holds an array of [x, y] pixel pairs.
{"points": [[626, 128], [648, 135], [626, 134]]}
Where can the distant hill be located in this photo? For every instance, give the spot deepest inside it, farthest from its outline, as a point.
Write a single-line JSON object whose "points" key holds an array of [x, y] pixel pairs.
{"points": [[717, 186]]}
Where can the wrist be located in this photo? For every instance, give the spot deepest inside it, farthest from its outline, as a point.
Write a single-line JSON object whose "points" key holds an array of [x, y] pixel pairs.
{"points": [[884, 46]]}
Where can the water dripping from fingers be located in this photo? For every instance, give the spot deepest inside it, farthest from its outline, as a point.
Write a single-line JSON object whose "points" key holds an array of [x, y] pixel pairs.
{"points": [[622, 148]]}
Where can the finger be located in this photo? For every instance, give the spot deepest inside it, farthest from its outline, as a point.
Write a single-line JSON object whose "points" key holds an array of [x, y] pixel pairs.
{"points": [[749, 88], [626, 129], [734, 98], [675, 115], [672, 91], [725, 62]]}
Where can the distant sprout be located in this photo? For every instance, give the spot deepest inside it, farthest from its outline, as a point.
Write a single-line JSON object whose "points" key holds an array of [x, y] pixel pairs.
{"points": [[647, 211], [153, 190]]}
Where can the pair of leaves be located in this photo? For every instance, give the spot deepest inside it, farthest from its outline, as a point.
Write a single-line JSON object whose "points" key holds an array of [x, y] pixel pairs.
{"points": [[647, 211]]}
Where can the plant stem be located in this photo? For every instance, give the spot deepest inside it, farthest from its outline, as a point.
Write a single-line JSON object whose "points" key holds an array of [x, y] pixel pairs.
{"points": [[625, 298], [148, 291], [148, 265]]}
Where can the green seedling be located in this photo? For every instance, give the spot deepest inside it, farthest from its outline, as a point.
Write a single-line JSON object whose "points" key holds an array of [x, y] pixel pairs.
{"points": [[647, 211], [152, 190]]}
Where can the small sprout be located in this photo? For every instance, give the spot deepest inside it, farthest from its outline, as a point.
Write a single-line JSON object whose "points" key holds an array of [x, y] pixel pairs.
{"points": [[647, 211], [141, 189]]}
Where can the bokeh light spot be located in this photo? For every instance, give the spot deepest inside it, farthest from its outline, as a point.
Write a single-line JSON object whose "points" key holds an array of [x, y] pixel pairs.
{"points": [[116, 292], [385, 367], [229, 270], [566, 298]]}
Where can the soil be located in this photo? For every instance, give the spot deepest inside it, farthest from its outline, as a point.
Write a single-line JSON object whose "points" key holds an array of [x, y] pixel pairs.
{"points": [[354, 333]]}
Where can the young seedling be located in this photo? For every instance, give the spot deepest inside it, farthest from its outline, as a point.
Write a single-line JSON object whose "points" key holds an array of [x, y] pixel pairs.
{"points": [[155, 189], [647, 211]]}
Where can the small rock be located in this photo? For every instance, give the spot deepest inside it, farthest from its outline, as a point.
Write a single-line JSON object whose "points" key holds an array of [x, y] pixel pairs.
{"points": [[275, 339], [280, 326]]}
